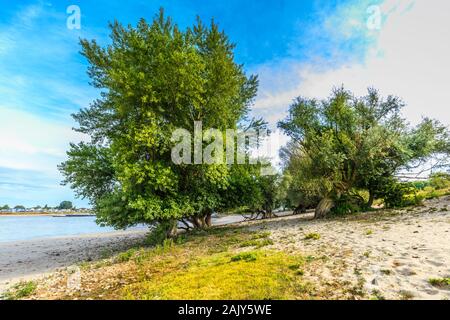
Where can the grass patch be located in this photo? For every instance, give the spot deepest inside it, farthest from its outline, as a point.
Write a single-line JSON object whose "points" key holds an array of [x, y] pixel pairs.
{"points": [[21, 290], [312, 236], [257, 243], [245, 256], [377, 295], [440, 282], [126, 256]]}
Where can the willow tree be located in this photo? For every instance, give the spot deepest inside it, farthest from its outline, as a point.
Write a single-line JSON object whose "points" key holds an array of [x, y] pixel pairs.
{"points": [[156, 78], [347, 142]]}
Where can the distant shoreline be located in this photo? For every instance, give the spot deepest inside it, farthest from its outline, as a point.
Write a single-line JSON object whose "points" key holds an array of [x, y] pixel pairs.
{"points": [[42, 214]]}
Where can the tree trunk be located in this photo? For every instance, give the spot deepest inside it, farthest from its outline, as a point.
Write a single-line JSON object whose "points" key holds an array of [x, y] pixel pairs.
{"points": [[197, 222], [324, 206], [172, 229], [208, 222], [371, 198]]}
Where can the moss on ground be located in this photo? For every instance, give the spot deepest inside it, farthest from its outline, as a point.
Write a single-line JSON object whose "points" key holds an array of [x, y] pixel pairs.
{"points": [[249, 275]]}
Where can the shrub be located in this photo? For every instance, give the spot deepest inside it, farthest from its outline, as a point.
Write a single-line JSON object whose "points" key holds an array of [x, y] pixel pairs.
{"points": [[401, 194], [440, 180], [126, 256], [158, 234]]}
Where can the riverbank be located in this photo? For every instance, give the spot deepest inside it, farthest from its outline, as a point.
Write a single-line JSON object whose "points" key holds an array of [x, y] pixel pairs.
{"points": [[385, 254], [25, 260]]}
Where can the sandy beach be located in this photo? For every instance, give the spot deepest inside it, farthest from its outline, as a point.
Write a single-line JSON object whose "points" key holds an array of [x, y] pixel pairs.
{"points": [[389, 255], [24, 260], [385, 254], [33, 259]]}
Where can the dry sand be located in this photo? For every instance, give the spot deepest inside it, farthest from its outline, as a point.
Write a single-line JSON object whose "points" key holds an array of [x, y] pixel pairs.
{"points": [[389, 255]]}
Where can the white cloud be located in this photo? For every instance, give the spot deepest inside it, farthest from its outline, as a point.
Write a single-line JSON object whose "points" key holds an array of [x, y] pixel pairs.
{"points": [[33, 143], [408, 57]]}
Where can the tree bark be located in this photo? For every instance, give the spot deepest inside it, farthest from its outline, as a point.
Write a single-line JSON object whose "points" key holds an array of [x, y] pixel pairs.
{"points": [[196, 222], [208, 222], [371, 198], [172, 229], [323, 208]]}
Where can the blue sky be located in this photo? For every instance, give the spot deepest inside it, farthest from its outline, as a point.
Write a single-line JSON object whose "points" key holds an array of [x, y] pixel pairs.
{"points": [[296, 47]]}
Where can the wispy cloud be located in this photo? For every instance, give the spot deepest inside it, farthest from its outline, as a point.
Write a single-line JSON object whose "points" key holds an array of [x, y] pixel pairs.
{"points": [[407, 57], [42, 82]]}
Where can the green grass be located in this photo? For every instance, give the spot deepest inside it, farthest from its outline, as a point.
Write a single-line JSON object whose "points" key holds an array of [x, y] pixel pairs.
{"points": [[126, 256], [21, 290], [312, 236], [440, 282], [248, 275], [245, 256], [257, 243], [257, 240], [377, 295]]}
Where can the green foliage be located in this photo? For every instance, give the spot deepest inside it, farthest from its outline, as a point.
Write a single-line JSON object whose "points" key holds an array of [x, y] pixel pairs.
{"points": [[349, 203], [155, 78], [65, 205], [127, 255], [401, 195], [346, 142], [312, 236], [158, 233], [440, 180], [244, 256]]}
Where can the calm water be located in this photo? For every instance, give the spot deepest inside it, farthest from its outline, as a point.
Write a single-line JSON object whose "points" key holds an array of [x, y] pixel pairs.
{"points": [[25, 228]]}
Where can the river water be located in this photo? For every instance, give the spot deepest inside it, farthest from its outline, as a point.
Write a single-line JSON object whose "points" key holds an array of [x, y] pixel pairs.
{"points": [[16, 228]]}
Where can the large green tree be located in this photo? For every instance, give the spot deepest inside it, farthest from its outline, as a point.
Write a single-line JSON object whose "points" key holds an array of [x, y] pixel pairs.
{"points": [[347, 142], [154, 79]]}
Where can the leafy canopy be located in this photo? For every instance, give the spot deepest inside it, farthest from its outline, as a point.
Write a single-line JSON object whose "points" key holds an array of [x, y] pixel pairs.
{"points": [[346, 142], [155, 78]]}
